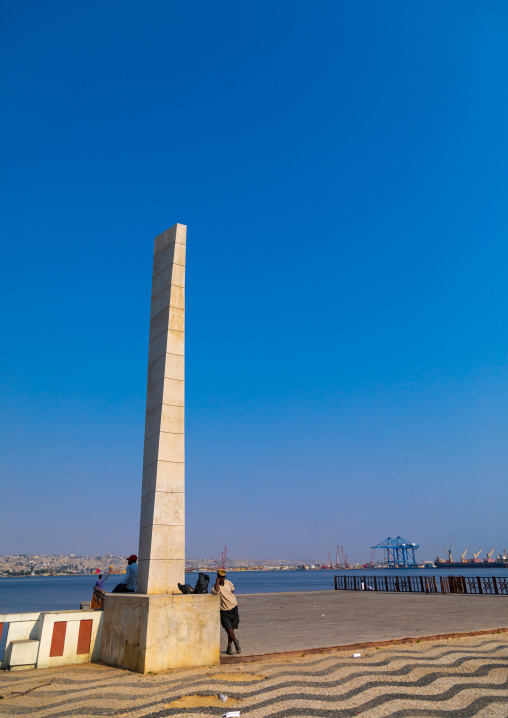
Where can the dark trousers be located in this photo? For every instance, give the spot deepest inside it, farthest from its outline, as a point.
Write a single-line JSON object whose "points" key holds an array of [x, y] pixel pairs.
{"points": [[121, 589]]}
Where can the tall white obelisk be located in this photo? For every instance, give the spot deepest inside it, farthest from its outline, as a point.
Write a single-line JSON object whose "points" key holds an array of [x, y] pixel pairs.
{"points": [[162, 526], [158, 627]]}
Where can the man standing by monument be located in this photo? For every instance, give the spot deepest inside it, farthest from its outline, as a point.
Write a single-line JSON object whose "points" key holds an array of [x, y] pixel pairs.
{"points": [[229, 616]]}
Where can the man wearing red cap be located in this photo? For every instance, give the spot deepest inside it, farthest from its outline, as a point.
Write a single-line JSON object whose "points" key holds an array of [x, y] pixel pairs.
{"points": [[131, 577]]}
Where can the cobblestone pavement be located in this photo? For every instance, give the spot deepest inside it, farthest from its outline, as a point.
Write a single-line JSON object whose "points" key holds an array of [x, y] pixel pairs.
{"points": [[451, 678]]}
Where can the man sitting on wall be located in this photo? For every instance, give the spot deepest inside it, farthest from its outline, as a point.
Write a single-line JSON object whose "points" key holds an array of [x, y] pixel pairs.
{"points": [[131, 577]]}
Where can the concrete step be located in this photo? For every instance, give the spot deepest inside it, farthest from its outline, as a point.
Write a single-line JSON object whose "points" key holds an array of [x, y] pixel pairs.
{"points": [[22, 654]]}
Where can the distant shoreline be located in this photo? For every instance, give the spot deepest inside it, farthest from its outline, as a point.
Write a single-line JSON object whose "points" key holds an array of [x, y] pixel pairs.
{"points": [[367, 571]]}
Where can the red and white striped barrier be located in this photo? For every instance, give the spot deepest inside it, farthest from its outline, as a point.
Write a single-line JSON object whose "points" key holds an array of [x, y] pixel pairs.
{"points": [[50, 638]]}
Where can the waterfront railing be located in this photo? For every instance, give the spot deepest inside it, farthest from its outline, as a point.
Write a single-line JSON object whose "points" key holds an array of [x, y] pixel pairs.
{"points": [[489, 585]]}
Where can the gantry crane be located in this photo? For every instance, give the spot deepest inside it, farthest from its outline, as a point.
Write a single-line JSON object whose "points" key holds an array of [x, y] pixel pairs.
{"points": [[399, 553]]}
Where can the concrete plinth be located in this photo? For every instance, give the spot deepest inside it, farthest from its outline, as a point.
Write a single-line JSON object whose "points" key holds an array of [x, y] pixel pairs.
{"points": [[157, 632]]}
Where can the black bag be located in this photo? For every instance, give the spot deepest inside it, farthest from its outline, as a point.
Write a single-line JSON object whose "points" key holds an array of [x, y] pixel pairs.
{"points": [[185, 588], [202, 583]]}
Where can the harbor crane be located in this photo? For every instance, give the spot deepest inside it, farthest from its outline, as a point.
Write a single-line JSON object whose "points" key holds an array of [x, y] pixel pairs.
{"points": [[463, 555], [330, 564], [399, 553], [475, 555], [491, 552], [344, 557], [223, 557], [449, 550]]}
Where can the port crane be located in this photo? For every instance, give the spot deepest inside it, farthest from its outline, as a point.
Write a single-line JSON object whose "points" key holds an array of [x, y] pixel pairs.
{"points": [[337, 557], [449, 550], [491, 552], [463, 555], [330, 564], [223, 557], [344, 557], [399, 553], [475, 555]]}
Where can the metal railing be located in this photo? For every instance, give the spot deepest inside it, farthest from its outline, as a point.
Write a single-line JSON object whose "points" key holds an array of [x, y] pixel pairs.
{"points": [[486, 585], [490, 585]]}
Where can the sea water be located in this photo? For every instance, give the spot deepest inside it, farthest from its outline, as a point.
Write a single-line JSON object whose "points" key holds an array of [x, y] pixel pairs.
{"points": [[63, 593], [26, 594]]}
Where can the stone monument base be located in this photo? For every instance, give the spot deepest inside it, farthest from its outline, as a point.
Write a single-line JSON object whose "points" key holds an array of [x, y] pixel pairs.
{"points": [[146, 633]]}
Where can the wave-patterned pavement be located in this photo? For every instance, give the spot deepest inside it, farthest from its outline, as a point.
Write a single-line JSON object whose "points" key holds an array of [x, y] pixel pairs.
{"points": [[456, 678]]}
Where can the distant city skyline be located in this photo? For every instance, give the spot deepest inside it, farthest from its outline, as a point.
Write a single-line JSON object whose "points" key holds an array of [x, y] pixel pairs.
{"points": [[79, 562], [341, 168]]}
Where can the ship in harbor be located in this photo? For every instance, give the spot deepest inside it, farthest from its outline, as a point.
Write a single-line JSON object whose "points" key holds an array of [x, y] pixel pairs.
{"points": [[500, 561]]}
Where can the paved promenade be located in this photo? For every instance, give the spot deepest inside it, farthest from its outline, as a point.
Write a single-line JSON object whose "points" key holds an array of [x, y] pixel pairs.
{"points": [[280, 622], [457, 678], [461, 677]]}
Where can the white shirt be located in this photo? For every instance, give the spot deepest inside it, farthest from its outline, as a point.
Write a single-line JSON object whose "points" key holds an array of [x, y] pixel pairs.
{"points": [[227, 597]]}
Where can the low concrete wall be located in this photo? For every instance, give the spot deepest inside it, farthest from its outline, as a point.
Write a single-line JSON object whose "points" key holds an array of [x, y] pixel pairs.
{"points": [[139, 632], [157, 632], [51, 638]]}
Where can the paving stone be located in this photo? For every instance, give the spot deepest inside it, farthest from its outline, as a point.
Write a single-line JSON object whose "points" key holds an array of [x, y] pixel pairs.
{"points": [[456, 678]]}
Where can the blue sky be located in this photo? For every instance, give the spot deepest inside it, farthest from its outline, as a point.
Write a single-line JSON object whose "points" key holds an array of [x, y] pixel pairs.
{"points": [[341, 168]]}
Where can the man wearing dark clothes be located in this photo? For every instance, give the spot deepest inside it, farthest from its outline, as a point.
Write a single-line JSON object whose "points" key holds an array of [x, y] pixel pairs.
{"points": [[131, 577], [229, 617]]}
